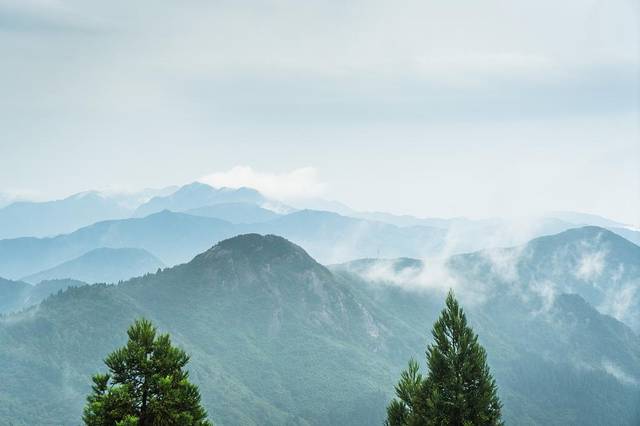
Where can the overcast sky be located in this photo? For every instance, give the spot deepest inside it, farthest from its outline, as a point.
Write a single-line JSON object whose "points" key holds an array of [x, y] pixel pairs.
{"points": [[433, 108]]}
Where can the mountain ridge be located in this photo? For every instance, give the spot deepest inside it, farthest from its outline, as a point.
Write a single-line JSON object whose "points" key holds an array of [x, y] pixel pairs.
{"points": [[277, 338], [196, 195], [103, 264]]}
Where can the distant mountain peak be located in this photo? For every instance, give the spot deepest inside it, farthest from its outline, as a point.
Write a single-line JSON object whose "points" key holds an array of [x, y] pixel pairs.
{"points": [[85, 195], [198, 194], [103, 264], [581, 234]]}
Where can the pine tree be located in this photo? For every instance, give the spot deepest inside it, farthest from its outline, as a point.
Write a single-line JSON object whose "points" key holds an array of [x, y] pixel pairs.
{"points": [[459, 389], [409, 408], [146, 385]]}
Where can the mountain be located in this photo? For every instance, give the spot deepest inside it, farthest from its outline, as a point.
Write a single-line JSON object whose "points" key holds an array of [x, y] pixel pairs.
{"points": [[235, 212], [329, 237], [553, 354], [106, 265], [9, 198], [46, 288], [12, 294], [197, 195], [333, 238], [577, 218], [177, 237], [273, 338], [593, 262], [630, 234], [133, 199], [276, 338], [173, 237], [465, 235], [325, 205], [17, 295], [41, 219]]}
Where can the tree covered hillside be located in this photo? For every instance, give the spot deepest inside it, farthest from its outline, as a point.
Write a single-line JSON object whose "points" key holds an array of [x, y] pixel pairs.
{"points": [[276, 338]]}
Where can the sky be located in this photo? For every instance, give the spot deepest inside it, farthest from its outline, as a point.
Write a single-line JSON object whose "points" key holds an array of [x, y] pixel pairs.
{"points": [[430, 108]]}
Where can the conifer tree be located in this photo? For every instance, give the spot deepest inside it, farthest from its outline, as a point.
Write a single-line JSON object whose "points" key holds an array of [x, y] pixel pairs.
{"points": [[409, 408], [146, 385], [459, 389]]}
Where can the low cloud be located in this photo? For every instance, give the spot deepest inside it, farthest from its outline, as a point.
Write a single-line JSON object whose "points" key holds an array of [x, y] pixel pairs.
{"points": [[296, 184], [617, 372], [591, 265], [12, 195], [620, 302], [433, 276]]}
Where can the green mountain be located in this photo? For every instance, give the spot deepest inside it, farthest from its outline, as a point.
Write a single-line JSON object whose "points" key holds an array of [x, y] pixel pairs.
{"points": [[599, 265], [46, 288], [18, 295], [553, 354], [276, 338], [105, 265]]}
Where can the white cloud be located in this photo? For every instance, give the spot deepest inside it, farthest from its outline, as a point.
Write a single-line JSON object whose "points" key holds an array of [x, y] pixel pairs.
{"points": [[295, 184], [433, 276], [620, 301], [12, 195], [617, 372], [591, 265]]}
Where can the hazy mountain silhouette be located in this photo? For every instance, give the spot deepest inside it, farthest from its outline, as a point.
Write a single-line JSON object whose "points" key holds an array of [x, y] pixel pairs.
{"points": [[105, 265], [48, 218], [235, 212], [197, 195]]}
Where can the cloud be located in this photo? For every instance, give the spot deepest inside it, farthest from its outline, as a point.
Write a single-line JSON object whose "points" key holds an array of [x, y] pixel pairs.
{"points": [[591, 265], [12, 195], [296, 184], [620, 301], [434, 276], [389, 271], [617, 372]]}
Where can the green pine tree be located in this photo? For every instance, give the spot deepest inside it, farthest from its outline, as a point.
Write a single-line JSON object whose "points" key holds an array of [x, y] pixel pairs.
{"points": [[409, 408], [146, 385], [459, 389]]}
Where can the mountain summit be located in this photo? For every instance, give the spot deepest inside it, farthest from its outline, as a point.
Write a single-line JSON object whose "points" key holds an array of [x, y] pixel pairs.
{"points": [[260, 250], [197, 195]]}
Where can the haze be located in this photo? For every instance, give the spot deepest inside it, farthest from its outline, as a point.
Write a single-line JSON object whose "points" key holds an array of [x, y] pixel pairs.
{"points": [[420, 107]]}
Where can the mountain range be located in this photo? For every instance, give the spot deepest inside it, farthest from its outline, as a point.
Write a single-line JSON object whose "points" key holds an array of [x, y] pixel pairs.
{"points": [[49, 218], [27, 218], [177, 237], [598, 265], [248, 206], [276, 338], [331, 238], [172, 237]]}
